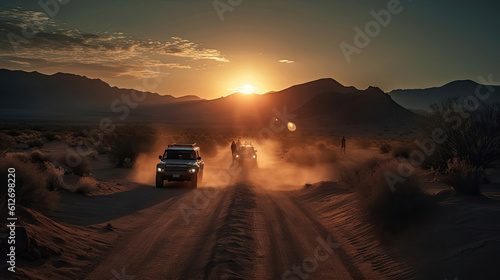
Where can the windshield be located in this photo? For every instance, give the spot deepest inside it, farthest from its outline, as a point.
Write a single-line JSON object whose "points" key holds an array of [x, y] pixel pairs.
{"points": [[172, 154], [246, 150]]}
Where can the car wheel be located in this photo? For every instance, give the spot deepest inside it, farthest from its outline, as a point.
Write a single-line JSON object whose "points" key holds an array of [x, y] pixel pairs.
{"points": [[159, 181]]}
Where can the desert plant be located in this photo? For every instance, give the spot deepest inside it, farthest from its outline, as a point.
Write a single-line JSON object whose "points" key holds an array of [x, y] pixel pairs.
{"points": [[463, 177], [385, 148], [86, 185], [471, 135], [31, 185], [35, 143], [402, 150], [6, 143], [93, 155], [50, 135], [74, 162], [391, 207], [128, 142]]}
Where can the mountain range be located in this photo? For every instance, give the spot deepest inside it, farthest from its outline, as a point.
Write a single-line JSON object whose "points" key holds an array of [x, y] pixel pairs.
{"points": [[421, 99], [324, 103]]}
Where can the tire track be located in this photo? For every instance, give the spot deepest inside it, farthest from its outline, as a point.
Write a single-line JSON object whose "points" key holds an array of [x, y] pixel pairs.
{"points": [[233, 253]]}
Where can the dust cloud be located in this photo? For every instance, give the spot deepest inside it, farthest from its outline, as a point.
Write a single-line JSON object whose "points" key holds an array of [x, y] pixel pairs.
{"points": [[280, 166]]}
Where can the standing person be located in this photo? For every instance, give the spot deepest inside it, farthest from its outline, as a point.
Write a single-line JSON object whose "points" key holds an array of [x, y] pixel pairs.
{"points": [[238, 144], [343, 144], [233, 148]]}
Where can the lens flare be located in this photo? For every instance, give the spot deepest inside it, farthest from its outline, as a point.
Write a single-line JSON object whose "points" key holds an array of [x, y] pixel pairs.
{"points": [[291, 126]]}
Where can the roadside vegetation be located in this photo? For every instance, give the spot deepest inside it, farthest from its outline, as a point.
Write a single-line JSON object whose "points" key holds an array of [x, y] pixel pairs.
{"points": [[393, 209]]}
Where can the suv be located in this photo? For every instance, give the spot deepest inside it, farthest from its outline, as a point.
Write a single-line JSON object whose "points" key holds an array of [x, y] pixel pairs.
{"points": [[246, 155], [180, 162]]}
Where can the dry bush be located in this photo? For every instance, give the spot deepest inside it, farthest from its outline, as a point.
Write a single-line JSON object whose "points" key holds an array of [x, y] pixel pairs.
{"points": [[311, 156], [385, 148], [6, 143], [392, 210], [402, 150], [86, 185], [35, 143], [74, 162], [50, 135], [31, 185], [93, 155], [463, 177], [39, 158], [128, 142], [473, 137]]}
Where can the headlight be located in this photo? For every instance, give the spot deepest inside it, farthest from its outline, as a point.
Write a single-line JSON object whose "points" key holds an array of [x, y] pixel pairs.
{"points": [[192, 170], [254, 156], [237, 156], [160, 169]]}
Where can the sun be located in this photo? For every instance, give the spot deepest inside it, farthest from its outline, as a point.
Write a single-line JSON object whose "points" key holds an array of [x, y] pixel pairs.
{"points": [[247, 89]]}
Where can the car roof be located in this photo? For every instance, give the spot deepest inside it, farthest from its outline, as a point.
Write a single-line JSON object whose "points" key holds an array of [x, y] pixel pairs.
{"points": [[182, 148]]}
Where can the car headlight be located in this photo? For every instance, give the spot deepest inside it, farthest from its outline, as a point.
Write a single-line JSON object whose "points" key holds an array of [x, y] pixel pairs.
{"points": [[254, 156], [237, 156], [192, 170], [160, 169]]}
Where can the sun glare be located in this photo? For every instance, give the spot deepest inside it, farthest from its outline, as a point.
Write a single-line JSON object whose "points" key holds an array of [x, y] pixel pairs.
{"points": [[246, 89]]}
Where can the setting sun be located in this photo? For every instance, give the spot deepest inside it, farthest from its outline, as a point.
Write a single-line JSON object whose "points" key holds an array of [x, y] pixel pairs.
{"points": [[246, 89]]}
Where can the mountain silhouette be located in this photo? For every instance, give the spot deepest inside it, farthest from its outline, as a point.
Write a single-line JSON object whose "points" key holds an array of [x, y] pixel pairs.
{"points": [[421, 99], [316, 104], [32, 94]]}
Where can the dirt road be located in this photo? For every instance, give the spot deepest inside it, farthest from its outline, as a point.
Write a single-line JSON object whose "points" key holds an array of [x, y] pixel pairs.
{"points": [[239, 232]]}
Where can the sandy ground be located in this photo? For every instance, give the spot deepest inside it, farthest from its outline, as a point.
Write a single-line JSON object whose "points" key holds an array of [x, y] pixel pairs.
{"points": [[256, 228]]}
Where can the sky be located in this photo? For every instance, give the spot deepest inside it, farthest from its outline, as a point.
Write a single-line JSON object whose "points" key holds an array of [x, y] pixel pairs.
{"points": [[213, 48]]}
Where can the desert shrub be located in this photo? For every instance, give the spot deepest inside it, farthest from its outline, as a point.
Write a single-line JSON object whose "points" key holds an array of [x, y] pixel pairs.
{"points": [[463, 177], [39, 158], [71, 142], [363, 143], [93, 155], [471, 135], [74, 162], [50, 135], [6, 143], [394, 207], [85, 185], [402, 150], [31, 185], [54, 176], [13, 132], [385, 148], [128, 142], [35, 143]]}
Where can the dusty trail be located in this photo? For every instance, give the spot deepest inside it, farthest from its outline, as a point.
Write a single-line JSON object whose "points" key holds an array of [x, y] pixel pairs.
{"points": [[243, 232]]}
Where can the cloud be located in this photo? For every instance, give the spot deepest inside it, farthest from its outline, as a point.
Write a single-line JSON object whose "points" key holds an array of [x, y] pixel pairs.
{"points": [[33, 40], [286, 61]]}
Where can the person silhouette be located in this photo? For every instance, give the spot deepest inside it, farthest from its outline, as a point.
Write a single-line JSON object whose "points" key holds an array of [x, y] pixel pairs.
{"points": [[342, 147], [233, 149], [238, 144]]}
